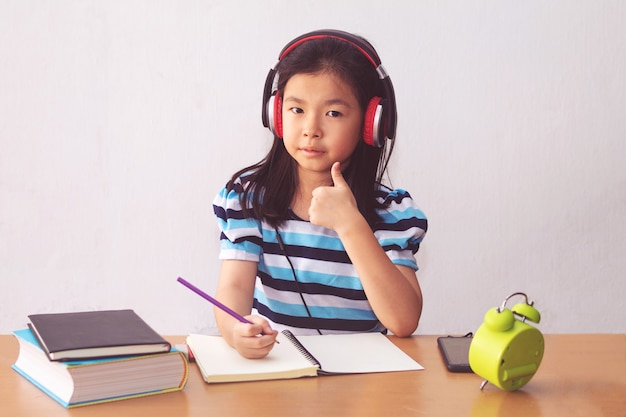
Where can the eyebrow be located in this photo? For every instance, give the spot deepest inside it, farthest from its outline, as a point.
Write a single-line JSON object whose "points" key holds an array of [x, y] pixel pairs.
{"points": [[330, 102]]}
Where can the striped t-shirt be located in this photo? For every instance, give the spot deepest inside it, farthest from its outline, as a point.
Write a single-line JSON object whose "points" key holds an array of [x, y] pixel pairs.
{"points": [[324, 275]]}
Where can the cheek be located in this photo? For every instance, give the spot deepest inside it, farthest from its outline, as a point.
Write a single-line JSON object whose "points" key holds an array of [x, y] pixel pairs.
{"points": [[288, 125], [289, 137], [347, 142], [352, 135]]}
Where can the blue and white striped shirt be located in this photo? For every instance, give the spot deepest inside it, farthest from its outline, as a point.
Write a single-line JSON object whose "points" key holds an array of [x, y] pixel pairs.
{"points": [[323, 273]]}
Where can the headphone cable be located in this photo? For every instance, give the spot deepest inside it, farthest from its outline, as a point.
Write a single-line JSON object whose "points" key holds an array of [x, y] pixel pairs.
{"points": [[295, 277]]}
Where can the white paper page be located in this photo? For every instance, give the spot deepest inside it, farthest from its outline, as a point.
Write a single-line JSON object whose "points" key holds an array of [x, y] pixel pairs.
{"points": [[216, 357], [358, 353]]}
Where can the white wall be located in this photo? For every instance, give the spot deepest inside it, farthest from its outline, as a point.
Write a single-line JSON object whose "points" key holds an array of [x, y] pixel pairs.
{"points": [[120, 120]]}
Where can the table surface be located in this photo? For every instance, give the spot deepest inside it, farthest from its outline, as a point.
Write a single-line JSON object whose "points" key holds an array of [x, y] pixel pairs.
{"points": [[581, 375]]}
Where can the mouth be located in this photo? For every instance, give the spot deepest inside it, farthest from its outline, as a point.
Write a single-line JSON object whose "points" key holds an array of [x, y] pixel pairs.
{"points": [[311, 151]]}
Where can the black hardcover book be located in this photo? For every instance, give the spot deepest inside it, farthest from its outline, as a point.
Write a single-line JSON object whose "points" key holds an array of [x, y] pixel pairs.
{"points": [[95, 334]]}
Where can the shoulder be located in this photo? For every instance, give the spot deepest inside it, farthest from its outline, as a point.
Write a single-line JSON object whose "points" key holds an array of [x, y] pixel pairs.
{"points": [[398, 202], [399, 210], [233, 211], [402, 224], [241, 232], [230, 195], [238, 185]]}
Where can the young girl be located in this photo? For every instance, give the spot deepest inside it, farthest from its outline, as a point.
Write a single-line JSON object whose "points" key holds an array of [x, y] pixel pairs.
{"points": [[312, 241]]}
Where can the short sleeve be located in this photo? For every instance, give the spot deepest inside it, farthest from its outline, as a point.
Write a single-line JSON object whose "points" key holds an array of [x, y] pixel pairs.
{"points": [[402, 227], [240, 236]]}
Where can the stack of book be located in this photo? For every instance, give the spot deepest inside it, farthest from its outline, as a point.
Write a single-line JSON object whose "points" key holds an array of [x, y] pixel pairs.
{"points": [[97, 356]]}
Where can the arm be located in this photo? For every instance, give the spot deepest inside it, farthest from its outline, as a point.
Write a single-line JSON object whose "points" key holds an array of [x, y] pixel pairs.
{"points": [[235, 288], [396, 298]]}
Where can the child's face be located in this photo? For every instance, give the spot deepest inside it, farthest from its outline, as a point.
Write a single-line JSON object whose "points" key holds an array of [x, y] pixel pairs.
{"points": [[322, 121]]}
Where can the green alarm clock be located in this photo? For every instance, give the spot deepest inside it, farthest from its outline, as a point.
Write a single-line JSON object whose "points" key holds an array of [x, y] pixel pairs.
{"points": [[506, 351]]}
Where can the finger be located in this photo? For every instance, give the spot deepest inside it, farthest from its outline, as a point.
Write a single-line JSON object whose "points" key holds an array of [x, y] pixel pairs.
{"points": [[267, 330], [263, 325], [248, 330], [258, 326], [335, 172]]}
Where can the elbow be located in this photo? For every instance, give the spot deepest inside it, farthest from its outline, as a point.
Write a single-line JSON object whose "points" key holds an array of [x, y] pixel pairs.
{"points": [[403, 334], [405, 328], [407, 332], [403, 322]]}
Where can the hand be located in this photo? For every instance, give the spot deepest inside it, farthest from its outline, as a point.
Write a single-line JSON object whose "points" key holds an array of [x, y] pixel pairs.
{"points": [[254, 341], [333, 206]]}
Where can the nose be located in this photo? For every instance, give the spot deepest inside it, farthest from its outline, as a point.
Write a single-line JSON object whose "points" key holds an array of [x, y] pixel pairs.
{"points": [[312, 127]]}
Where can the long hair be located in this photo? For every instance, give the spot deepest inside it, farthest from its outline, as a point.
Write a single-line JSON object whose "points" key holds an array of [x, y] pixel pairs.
{"points": [[272, 181]]}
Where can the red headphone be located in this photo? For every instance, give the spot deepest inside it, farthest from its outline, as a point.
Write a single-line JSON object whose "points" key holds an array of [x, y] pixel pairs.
{"points": [[380, 116]]}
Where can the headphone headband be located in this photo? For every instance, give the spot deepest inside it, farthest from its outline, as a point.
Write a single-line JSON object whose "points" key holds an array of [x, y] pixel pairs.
{"points": [[367, 51]]}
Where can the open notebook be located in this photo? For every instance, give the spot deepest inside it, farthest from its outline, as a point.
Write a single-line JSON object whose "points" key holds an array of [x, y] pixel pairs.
{"points": [[300, 356]]}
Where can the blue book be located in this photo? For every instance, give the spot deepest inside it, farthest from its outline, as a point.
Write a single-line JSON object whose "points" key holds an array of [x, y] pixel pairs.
{"points": [[78, 383]]}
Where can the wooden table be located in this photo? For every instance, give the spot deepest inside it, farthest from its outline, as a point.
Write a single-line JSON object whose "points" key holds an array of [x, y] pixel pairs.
{"points": [[581, 375]]}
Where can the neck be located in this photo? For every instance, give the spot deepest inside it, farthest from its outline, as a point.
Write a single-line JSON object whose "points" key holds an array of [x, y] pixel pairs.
{"points": [[307, 182]]}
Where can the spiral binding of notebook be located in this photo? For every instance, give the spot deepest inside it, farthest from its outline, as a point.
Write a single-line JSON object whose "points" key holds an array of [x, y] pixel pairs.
{"points": [[290, 336]]}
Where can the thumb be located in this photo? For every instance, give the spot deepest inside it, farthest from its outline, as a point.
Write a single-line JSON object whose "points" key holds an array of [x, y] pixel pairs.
{"points": [[335, 172]]}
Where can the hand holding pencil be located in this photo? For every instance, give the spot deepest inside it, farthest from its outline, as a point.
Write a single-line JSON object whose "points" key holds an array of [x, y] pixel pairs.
{"points": [[249, 334]]}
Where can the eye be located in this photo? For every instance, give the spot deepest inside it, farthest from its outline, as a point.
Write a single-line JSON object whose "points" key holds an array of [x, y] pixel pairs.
{"points": [[334, 113], [296, 110]]}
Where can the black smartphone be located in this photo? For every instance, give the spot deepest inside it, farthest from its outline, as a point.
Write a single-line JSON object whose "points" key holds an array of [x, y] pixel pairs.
{"points": [[455, 352]]}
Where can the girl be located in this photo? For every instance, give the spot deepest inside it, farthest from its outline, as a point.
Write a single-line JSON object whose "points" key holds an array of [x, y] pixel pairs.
{"points": [[311, 240]]}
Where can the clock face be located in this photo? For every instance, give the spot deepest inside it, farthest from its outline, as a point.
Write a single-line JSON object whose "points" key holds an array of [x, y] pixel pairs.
{"points": [[507, 359]]}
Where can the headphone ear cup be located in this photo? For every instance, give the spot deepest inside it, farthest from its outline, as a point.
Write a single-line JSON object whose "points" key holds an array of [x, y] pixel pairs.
{"points": [[499, 321], [274, 114], [278, 115], [374, 123]]}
